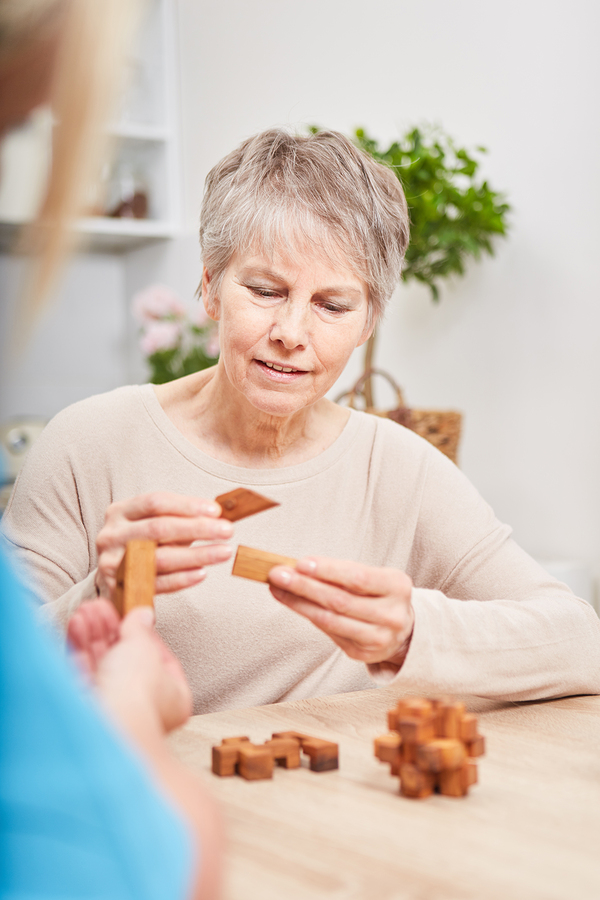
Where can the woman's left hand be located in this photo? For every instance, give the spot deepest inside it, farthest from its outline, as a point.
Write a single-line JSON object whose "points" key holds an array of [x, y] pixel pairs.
{"points": [[367, 611]]}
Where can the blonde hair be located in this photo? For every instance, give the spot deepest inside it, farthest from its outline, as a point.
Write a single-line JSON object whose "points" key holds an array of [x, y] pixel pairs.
{"points": [[317, 192], [93, 37]]}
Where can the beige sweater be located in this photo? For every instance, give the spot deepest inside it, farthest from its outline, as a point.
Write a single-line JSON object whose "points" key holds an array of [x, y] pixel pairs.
{"points": [[488, 619]]}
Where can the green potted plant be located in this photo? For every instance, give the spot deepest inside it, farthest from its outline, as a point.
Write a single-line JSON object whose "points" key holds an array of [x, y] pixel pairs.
{"points": [[454, 215]]}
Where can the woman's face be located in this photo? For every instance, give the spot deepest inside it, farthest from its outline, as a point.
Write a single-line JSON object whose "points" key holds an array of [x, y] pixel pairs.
{"points": [[288, 325]]}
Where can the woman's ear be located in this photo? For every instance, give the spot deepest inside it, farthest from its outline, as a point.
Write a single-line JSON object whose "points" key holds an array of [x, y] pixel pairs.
{"points": [[369, 329], [209, 297]]}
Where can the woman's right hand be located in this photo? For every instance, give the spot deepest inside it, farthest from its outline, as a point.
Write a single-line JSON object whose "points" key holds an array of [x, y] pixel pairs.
{"points": [[176, 523]]}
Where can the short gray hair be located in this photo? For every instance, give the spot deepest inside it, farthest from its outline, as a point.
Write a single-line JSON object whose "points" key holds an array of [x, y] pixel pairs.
{"points": [[317, 191]]}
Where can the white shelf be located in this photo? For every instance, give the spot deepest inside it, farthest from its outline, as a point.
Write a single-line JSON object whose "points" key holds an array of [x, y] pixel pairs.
{"points": [[145, 152]]}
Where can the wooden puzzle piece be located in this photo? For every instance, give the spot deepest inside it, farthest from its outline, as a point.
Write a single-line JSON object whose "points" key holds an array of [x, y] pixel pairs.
{"points": [[241, 502], [256, 564], [136, 577], [432, 747], [256, 761]]}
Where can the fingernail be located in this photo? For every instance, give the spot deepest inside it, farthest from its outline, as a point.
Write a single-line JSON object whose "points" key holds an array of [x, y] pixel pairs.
{"points": [[209, 509], [284, 576], [307, 565], [146, 615], [225, 529]]}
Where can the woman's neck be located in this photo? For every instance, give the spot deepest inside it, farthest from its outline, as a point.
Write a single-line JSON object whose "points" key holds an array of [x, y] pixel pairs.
{"points": [[223, 424]]}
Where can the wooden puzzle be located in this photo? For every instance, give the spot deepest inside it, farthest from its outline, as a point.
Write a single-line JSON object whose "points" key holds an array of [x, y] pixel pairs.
{"points": [[432, 746], [237, 755], [136, 577], [256, 564], [241, 502]]}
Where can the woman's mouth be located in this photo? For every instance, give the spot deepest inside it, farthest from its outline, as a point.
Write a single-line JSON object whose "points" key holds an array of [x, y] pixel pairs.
{"points": [[275, 370]]}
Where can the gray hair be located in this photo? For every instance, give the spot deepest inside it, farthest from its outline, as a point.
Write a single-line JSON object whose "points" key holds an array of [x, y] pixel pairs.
{"points": [[315, 191]]}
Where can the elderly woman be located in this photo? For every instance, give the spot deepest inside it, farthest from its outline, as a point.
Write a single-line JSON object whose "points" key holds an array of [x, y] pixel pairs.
{"points": [[403, 570]]}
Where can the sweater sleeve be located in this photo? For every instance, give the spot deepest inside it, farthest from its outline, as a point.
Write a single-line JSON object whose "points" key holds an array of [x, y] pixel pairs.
{"points": [[488, 619]]}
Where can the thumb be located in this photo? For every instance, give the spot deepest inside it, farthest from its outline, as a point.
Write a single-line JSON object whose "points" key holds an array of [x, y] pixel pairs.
{"points": [[140, 619]]}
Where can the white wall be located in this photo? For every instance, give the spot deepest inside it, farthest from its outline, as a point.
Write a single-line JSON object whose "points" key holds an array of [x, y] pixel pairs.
{"points": [[515, 343]]}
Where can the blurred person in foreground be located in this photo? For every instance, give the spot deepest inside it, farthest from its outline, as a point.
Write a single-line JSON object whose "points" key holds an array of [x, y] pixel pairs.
{"points": [[92, 802], [416, 581]]}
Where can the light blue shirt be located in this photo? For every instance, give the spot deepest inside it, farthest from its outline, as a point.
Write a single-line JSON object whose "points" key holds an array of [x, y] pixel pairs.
{"points": [[79, 815]]}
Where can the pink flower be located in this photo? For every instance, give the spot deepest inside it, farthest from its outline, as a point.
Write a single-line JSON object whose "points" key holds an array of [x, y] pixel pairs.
{"points": [[157, 302], [212, 345], [160, 336], [199, 316]]}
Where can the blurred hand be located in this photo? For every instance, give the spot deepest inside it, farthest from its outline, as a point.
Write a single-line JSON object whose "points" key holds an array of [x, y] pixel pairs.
{"points": [[175, 522], [133, 670], [365, 610]]}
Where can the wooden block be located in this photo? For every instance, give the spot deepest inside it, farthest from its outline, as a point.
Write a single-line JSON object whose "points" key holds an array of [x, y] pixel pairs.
{"points": [[225, 756], [476, 747], [296, 735], [136, 577], [454, 783], [256, 564], [416, 708], [408, 753], [387, 747], [323, 755], [452, 715], [241, 502], [470, 772], [468, 727], [441, 754], [285, 752], [416, 731], [254, 763], [415, 783]]}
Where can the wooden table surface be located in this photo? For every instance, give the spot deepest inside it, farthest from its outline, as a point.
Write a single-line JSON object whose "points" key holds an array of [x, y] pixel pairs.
{"points": [[530, 829]]}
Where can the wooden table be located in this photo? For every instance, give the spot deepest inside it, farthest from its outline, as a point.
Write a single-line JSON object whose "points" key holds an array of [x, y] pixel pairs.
{"points": [[530, 829]]}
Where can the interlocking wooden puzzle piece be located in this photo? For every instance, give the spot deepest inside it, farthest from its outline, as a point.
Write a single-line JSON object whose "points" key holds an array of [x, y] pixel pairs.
{"points": [[415, 783], [136, 577], [441, 754], [225, 758], [416, 731], [285, 752], [239, 754], [476, 747], [454, 782], [452, 715], [435, 737], [255, 762], [256, 564], [323, 755], [241, 502]]}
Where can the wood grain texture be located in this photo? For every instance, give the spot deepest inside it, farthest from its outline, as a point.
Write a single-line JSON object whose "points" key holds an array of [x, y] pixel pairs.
{"points": [[256, 564], [241, 502], [529, 830], [136, 577]]}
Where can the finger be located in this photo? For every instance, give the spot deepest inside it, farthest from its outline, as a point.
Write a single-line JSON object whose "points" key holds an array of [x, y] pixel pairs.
{"points": [[139, 619], [167, 503], [77, 631], [371, 638], [165, 530], [370, 581], [175, 559], [375, 610], [179, 581]]}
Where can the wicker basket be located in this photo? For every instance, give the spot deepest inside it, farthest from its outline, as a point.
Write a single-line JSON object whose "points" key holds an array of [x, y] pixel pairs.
{"points": [[440, 427]]}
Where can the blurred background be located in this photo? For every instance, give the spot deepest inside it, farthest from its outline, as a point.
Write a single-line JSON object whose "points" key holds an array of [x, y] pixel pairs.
{"points": [[514, 344]]}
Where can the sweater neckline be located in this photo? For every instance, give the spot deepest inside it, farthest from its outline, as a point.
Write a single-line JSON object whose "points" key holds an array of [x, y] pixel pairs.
{"points": [[357, 421]]}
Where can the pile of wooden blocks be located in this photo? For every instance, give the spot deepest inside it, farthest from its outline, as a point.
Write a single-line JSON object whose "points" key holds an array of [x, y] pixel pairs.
{"points": [[237, 755], [432, 746]]}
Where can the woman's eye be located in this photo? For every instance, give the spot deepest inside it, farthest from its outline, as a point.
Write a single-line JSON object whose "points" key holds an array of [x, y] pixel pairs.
{"points": [[333, 308], [263, 292]]}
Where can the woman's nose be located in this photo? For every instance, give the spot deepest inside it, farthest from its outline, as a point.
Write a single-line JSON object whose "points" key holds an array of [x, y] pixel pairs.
{"points": [[290, 327]]}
